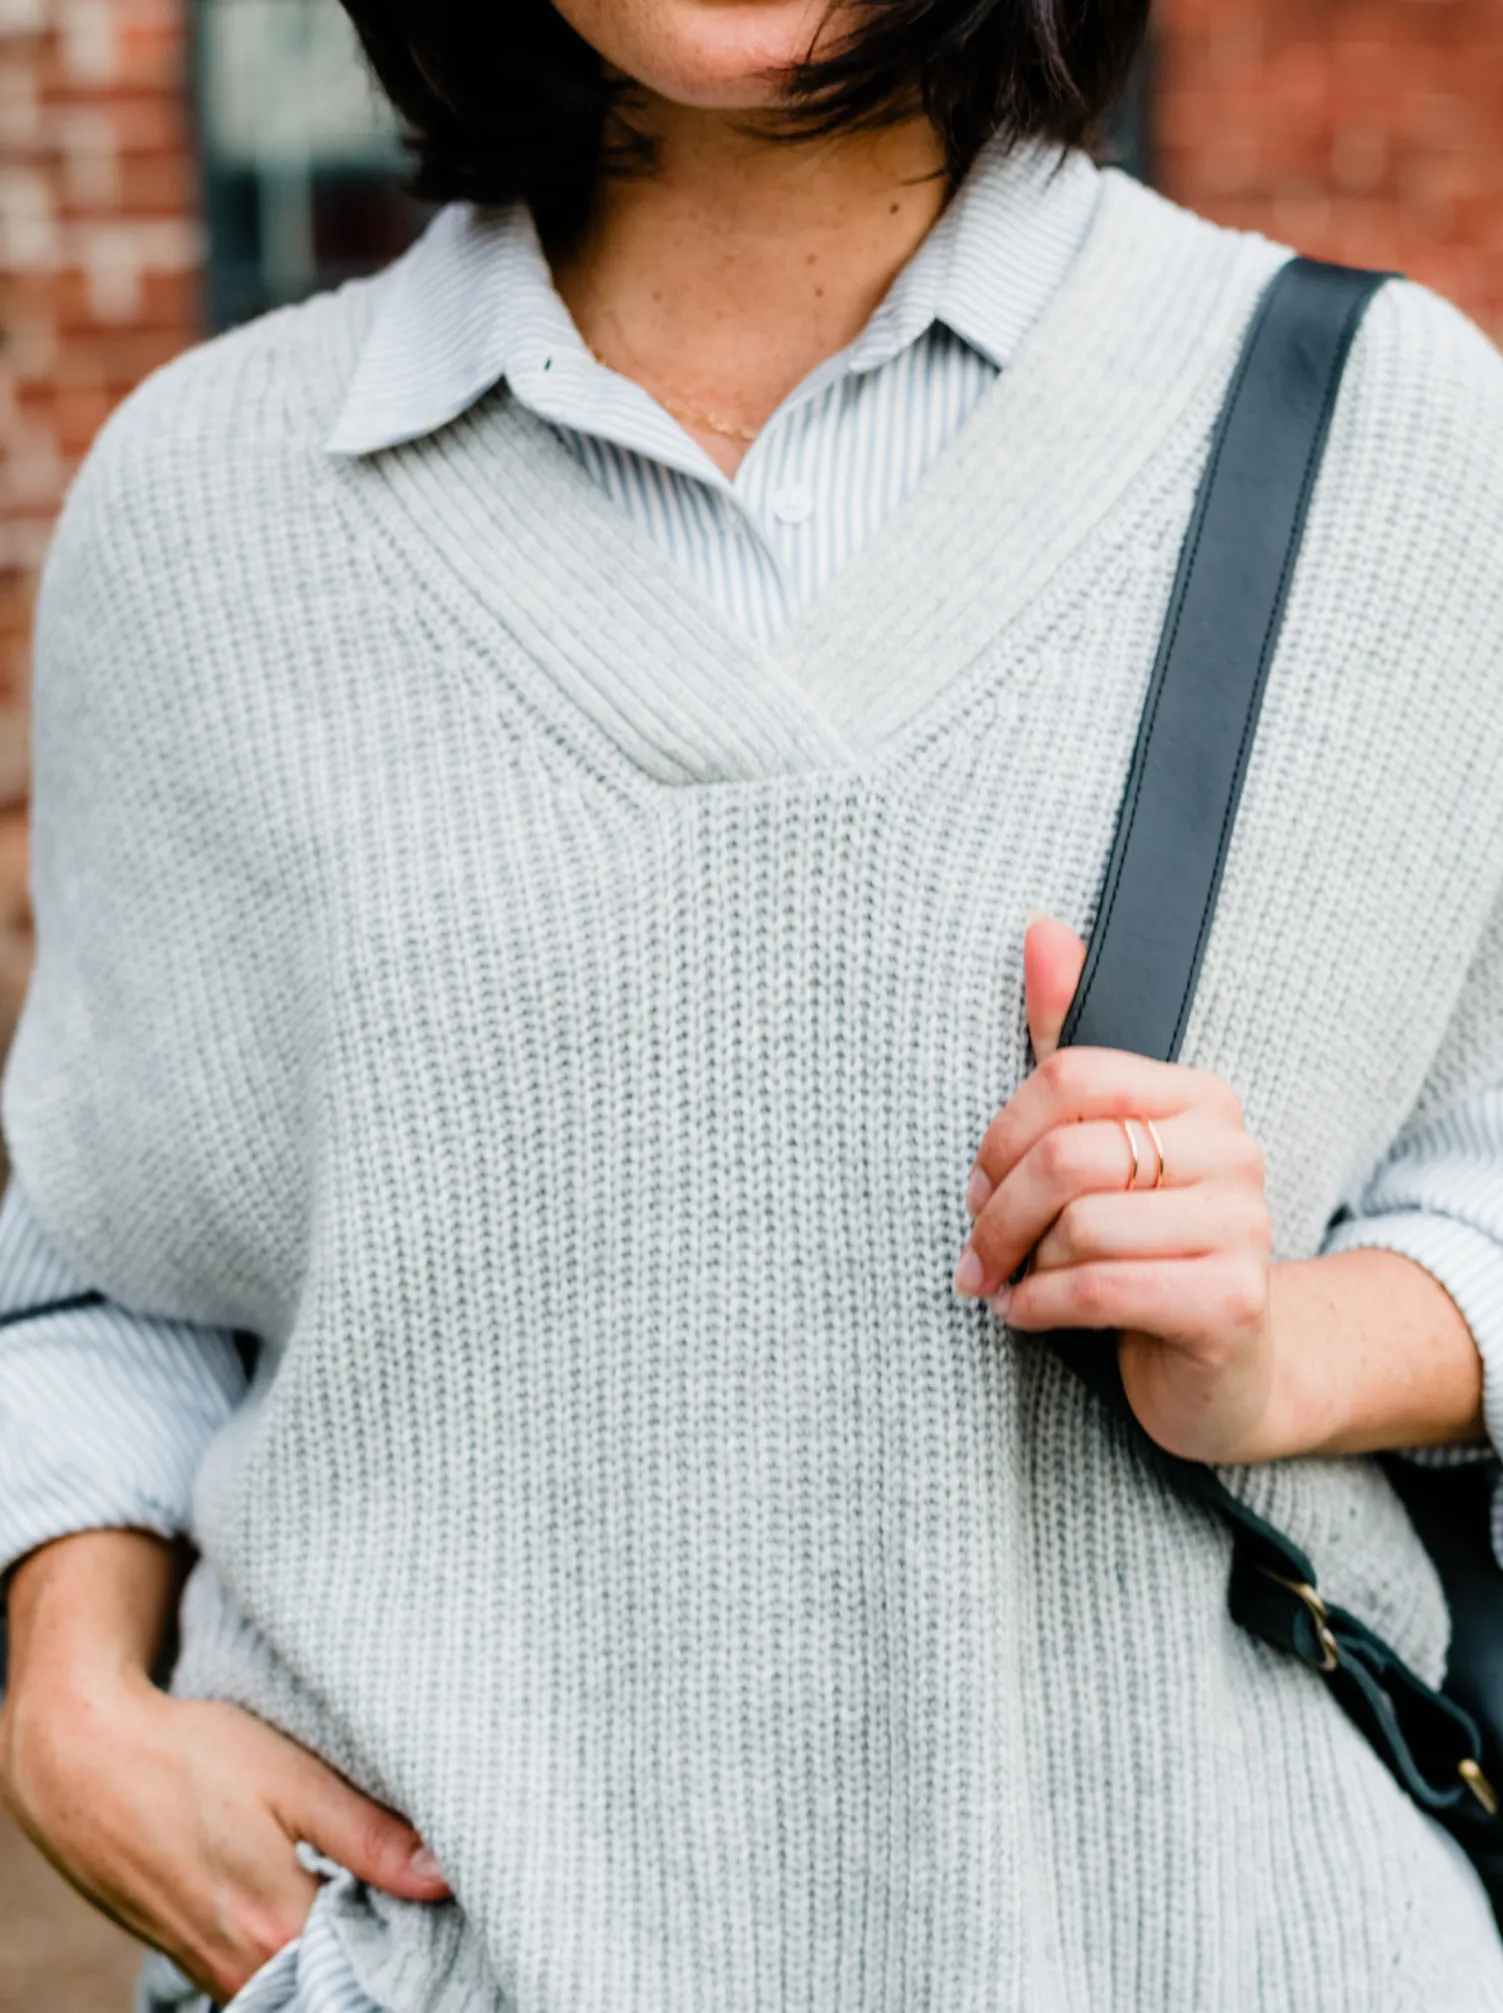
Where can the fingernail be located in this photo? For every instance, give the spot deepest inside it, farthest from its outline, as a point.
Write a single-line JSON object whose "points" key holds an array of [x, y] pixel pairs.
{"points": [[1036, 916], [1000, 1302], [969, 1274], [424, 1864], [978, 1192]]}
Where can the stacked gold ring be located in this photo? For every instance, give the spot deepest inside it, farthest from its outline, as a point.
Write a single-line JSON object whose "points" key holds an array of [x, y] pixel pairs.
{"points": [[1132, 1146]]}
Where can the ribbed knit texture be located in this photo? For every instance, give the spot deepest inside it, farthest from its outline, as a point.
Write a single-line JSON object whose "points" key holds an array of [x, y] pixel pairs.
{"points": [[562, 1027]]}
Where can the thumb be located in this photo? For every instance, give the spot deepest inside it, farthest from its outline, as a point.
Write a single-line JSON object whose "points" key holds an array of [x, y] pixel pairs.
{"points": [[1053, 959], [369, 1840]]}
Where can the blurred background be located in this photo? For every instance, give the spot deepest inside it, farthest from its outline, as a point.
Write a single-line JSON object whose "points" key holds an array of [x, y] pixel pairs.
{"points": [[169, 167]]}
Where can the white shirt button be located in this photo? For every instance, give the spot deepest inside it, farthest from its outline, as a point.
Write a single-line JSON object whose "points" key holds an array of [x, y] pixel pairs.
{"points": [[793, 503]]}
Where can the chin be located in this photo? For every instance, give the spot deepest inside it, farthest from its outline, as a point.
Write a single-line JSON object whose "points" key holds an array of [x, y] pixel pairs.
{"points": [[715, 54]]}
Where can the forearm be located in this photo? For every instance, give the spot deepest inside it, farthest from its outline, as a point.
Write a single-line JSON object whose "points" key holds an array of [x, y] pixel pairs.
{"points": [[85, 1615], [1371, 1353]]}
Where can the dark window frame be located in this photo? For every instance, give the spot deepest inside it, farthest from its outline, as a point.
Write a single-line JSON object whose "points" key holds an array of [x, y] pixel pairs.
{"points": [[336, 218]]}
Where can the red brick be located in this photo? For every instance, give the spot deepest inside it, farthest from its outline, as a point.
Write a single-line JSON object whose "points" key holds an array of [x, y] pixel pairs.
{"points": [[1370, 129], [116, 361], [160, 184], [172, 302]]}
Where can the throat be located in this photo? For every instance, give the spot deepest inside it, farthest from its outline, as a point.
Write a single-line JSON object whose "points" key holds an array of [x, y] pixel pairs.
{"points": [[722, 277]]}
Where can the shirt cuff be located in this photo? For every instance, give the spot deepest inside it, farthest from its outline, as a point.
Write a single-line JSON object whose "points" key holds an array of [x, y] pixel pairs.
{"points": [[104, 1420], [42, 1498]]}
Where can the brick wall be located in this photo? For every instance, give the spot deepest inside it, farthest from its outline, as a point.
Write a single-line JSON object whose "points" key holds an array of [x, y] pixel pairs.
{"points": [[1367, 129]]}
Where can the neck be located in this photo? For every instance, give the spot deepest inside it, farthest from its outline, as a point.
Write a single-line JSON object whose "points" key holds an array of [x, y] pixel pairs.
{"points": [[722, 277]]}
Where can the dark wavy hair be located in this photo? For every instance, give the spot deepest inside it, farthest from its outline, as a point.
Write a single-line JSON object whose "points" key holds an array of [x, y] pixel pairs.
{"points": [[501, 98]]}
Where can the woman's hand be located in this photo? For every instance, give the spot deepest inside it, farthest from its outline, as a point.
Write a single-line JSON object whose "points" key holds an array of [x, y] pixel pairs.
{"points": [[1181, 1269], [1224, 1357], [180, 1819]]}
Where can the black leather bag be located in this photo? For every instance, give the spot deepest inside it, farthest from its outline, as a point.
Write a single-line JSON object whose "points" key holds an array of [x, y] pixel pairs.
{"points": [[1174, 828]]}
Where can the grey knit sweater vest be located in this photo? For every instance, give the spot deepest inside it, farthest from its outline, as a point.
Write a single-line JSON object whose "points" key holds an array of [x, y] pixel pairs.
{"points": [[561, 1030]]}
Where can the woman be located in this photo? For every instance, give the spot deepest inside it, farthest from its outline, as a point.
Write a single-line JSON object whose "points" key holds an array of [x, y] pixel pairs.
{"points": [[544, 758]]}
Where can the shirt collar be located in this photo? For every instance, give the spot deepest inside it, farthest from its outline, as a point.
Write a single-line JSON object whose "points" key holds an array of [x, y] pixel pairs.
{"points": [[993, 259], [473, 302]]}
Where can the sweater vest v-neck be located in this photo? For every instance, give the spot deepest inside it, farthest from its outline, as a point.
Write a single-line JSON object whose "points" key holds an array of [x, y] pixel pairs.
{"points": [[560, 1029]]}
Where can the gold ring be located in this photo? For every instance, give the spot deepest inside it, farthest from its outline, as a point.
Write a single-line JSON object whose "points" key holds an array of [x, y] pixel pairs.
{"points": [[1158, 1147], [1132, 1147]]}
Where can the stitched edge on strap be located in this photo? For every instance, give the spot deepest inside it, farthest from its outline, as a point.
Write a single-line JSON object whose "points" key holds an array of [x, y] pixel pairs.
{"points": [[1128, 815]]}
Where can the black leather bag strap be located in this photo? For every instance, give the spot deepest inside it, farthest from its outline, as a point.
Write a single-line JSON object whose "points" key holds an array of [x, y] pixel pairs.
{"points": [[1162, 880], [1219, 638]]}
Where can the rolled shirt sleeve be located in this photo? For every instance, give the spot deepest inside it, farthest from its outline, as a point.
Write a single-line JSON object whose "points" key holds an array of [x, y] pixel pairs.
{"points": [[104, 1414]]}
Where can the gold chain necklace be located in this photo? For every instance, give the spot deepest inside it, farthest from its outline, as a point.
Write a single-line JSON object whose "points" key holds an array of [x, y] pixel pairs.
{"points": [[686, 415], [690, 415]]}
